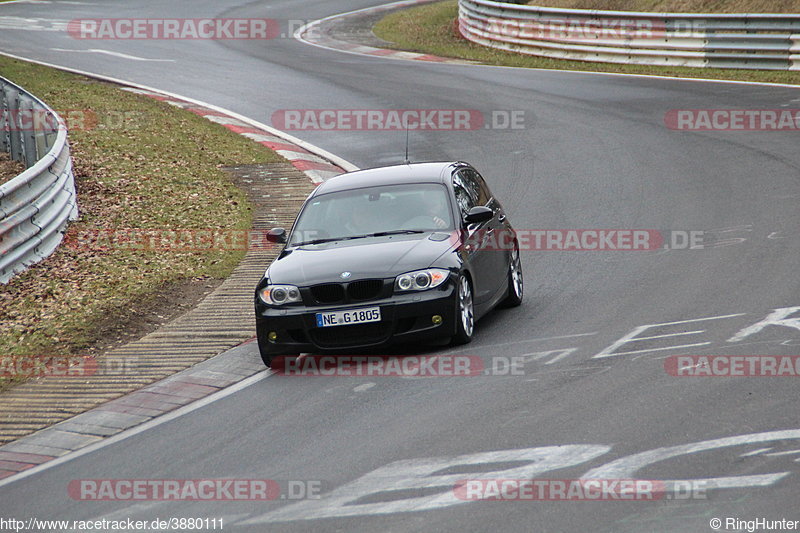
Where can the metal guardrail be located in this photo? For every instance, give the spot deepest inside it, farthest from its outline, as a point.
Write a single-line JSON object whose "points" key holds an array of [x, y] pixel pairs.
{"points": [[36, 205], [742, 41]]}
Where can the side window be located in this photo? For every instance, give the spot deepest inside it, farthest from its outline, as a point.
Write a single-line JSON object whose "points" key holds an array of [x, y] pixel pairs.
{"points": [[475, 182], [465, 195]]}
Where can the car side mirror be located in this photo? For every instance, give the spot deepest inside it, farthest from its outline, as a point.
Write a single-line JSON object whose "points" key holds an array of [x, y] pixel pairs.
{"points": [[478, 214], [277, 235]]}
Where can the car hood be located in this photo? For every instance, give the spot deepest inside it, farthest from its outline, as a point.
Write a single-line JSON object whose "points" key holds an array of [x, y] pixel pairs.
{"points": [[380, 257]]}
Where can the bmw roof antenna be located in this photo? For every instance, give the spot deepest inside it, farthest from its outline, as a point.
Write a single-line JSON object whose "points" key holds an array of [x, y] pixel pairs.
{"points": [[407, 162]]}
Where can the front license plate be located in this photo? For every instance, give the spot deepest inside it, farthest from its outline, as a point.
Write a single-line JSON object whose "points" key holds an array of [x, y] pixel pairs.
{"points": [[351, 316]]}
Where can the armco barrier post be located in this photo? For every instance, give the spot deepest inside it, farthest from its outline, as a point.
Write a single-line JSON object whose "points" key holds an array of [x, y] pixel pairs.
{"points": [[28, 132], [5, 141], [15, 137]]}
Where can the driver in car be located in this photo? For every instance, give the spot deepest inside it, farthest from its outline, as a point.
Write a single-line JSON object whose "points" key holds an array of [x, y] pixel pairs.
{"points": [[436, 209], [358, 221]]}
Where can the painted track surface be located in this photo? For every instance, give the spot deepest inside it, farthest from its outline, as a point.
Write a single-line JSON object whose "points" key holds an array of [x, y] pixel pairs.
{"points": [[594, 154]]}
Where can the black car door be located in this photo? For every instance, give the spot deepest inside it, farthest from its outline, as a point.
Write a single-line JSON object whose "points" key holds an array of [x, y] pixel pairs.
{"points": [[486, 261], [495, 244]]}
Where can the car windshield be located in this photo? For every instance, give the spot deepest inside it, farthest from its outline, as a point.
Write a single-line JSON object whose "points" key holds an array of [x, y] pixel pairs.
{"points": [[361, 213]]}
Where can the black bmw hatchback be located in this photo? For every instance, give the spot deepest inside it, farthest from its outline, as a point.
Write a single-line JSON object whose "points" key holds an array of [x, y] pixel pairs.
{"points": [[406, 253]]}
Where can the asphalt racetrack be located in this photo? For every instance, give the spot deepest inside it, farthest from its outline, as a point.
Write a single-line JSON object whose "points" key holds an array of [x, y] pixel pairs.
{"points": [[585, 399]]}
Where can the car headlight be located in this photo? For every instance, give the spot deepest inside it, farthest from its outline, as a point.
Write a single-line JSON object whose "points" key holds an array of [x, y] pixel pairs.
{"points": [[421, 280], [279, 294]]}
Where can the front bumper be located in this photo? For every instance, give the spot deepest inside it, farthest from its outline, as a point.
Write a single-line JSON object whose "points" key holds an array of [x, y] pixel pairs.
{"points": [[404, 318]]}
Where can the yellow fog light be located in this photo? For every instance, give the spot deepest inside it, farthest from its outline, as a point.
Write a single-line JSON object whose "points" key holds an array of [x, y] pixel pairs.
{"points": [[273, 336], [436, 319]]}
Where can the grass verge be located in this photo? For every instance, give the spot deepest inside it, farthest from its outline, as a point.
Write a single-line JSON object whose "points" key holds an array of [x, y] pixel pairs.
{"points": [[431, 29], [139, 163]]}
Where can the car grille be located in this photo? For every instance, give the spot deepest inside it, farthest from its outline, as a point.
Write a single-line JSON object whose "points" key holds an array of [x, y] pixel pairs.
{"points": [[355, 291], [357, 334], [365, 289], [328, 293]]}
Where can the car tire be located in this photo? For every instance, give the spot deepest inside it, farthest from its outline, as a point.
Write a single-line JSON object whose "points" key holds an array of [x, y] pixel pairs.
{"points": [[465, 312], [516, 284]]}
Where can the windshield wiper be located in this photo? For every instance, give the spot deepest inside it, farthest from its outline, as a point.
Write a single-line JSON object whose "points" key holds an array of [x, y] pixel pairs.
{"points": [[395, 232], [320, 241], [365, 236], [385, 233]]}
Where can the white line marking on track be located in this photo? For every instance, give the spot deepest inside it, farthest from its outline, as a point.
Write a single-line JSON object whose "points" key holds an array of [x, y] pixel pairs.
{"points": [[364, 387], [744, 227], [559, 355], [715, 351], [669, 335], [29, 24], [700, 319], [778, 454], [433, 473], [627, 467], [779, 317], [755, 452], [653, 349], [115, 54], [633, 337]]}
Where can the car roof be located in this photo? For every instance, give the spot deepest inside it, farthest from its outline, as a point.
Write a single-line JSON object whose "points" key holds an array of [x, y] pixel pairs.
{"points": [[391, 175]]}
